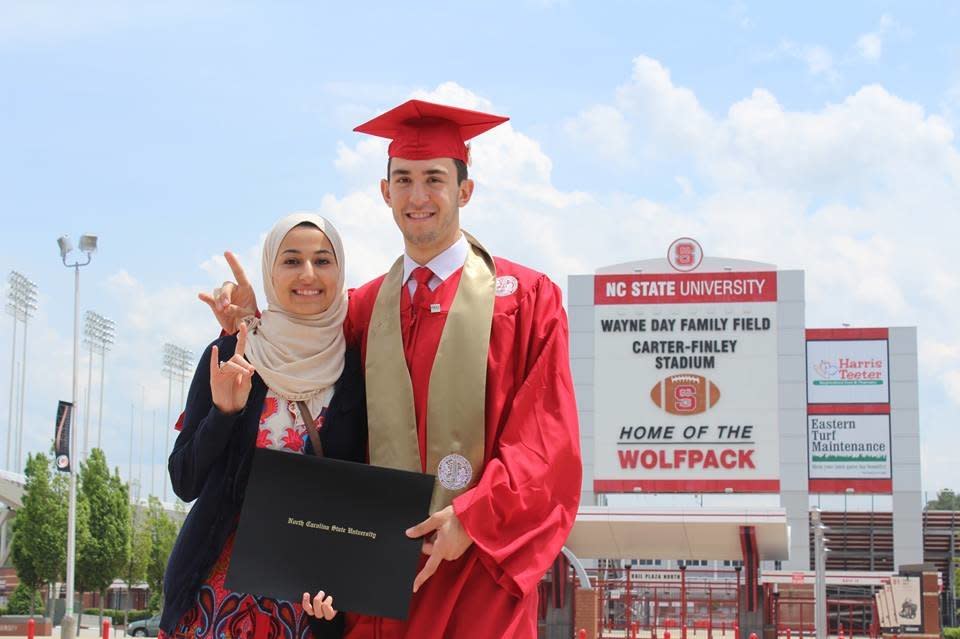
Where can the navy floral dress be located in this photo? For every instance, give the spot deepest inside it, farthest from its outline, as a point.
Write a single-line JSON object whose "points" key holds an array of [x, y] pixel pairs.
{"points": [[220, 613]]}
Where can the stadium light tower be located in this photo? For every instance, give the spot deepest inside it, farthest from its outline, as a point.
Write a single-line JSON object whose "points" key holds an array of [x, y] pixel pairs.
{"points": [[177, 362], [21, 302], [88, 245], [99, 334]]}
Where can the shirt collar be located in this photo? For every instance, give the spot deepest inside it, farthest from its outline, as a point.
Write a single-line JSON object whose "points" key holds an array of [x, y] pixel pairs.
{"points": [[443, 265]]}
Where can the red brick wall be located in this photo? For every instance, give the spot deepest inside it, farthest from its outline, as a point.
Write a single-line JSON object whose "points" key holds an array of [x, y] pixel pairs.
{"points": [[929, 588], [585, 613], [8, 580]]}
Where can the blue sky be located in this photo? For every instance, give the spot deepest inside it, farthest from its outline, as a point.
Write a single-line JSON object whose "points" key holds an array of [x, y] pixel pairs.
{"points": [[819, 136]]}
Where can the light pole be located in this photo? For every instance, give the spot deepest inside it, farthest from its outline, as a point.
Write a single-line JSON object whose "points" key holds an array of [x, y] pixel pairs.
{"points": [[86, 407], [100, 332], [176, 365], [143, 401], [820, 551], [130, 464], [21, 302], [12, 309], [153, 451], [107, 335], [88, 244]]}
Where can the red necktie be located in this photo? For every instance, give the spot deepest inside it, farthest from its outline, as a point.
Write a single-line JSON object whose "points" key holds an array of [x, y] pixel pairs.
{"points": [[422, 294]]}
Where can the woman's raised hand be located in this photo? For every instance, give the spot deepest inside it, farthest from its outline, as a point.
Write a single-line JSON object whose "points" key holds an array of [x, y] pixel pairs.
{"points": [[230, 381], [319, 607], [232, 302]]}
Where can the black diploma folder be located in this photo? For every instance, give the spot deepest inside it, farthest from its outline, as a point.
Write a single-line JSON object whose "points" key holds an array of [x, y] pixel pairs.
{"points": [[312, 524]]}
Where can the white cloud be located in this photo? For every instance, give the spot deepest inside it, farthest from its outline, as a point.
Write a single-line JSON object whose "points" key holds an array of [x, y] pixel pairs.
{"points": [[603, 127], [741, 15], [870, 45], [951, 380], [686, 186], [950, 106], [817, 58], [218, 271], [364, 163], [670, 112], [939, 355], [863, 143]]}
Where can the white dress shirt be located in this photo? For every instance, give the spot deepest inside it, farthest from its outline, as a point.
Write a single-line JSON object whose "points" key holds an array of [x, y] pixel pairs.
{"points": [[443, 265]]}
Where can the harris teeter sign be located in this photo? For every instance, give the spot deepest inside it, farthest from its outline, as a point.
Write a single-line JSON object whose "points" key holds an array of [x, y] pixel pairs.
{"points": [[847, 372]]}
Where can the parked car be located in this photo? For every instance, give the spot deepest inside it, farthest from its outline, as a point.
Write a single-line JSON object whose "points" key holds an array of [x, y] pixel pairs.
{"points": [[145, 627]]}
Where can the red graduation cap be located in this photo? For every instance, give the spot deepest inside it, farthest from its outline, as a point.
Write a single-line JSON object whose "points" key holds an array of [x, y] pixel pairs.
{"points": [[421, 130]]}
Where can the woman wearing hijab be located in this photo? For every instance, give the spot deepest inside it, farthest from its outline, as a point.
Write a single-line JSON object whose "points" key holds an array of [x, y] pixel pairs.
{"points": [[249, 392]]}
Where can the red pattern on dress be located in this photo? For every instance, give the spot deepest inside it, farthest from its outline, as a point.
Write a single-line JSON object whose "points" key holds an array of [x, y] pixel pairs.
{"points": [[220, 613], [270, 407], [263, 439], [293, 440]]}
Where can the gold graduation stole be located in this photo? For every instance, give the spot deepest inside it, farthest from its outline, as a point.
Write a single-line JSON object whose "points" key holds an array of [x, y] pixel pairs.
{"points": [[457, 390]]}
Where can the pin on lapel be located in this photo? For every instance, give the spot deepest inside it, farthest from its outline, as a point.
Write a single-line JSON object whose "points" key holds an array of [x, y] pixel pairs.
{"points": [[435, 308]]}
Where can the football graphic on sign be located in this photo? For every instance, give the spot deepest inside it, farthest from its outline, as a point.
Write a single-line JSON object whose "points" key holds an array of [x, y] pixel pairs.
{"points": [[686, 394]]}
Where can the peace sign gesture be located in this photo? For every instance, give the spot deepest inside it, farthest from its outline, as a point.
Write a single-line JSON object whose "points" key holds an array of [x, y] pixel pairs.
{"points": [[232, 302], [230, 381]]}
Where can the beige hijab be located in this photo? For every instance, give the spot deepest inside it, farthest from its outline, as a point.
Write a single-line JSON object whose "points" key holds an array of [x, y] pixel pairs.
{"points": [[299, 356]]}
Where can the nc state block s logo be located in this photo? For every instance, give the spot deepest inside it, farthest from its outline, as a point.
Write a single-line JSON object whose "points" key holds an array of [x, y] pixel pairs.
{"points": [[686, 394], [685, 254]]}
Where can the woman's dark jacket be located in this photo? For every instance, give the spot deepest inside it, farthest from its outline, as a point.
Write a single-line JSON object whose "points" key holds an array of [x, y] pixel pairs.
{"points": [[211, 461]]}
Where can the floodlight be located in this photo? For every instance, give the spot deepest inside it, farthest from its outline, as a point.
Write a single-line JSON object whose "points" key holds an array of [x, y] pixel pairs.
{"points": [[65, 245], [88, 243]]}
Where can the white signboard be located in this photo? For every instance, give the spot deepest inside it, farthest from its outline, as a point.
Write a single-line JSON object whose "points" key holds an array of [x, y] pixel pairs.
{"points": [[847, 372], [881, 601], [686, 382], [666, 576], [848, 446], [891, 606], [834, 577], [907, 604]]}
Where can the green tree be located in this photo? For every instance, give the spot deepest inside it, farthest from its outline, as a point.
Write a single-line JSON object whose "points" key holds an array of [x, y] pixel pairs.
{"points": [[163, 533], [38, 547], [103, 554], [956, 578], [138, 554], [23, 600], [946, 499]]}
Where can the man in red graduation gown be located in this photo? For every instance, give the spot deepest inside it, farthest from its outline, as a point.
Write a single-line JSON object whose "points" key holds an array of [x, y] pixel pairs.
{"points": [[480, 331], [468, 378]]}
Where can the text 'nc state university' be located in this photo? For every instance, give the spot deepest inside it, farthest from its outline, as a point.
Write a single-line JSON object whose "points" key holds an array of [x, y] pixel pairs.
{"points": [[685, 288]]}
